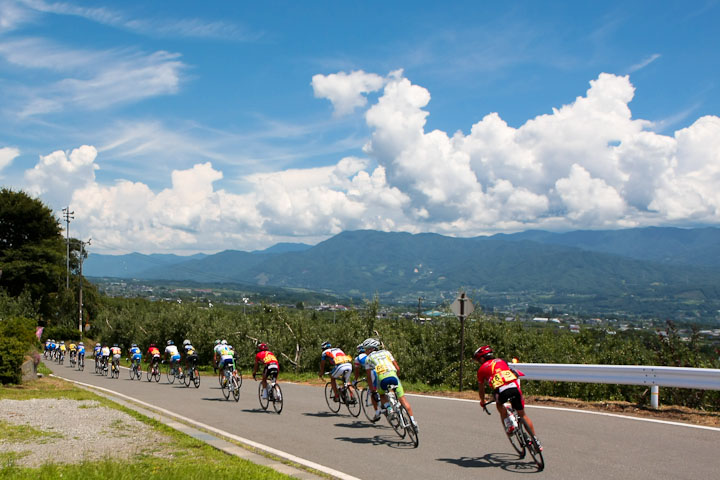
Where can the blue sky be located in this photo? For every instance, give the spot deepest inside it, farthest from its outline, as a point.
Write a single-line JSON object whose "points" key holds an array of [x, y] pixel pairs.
{"points": [[191, 126]]}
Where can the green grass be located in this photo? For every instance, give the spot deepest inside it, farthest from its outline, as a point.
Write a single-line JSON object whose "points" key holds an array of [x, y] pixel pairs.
{"points": [[189, 459], [24, 433]]}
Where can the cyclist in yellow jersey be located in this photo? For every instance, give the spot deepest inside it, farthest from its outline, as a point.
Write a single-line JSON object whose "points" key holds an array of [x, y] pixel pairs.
{"points": [[386, 368], [340, 362]]}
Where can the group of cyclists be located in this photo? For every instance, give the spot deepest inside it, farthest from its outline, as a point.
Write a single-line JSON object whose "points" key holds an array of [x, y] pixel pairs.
{"points": [[58, 350], [373, 363]]}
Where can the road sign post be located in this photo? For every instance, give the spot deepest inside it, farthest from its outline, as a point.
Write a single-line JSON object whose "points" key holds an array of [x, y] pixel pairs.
{"points": [[462, 307]]}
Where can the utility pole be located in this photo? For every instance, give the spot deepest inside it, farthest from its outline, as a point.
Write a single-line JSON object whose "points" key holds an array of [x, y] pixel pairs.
{"points": [[419, 309], [67, 215], [82, 254]]}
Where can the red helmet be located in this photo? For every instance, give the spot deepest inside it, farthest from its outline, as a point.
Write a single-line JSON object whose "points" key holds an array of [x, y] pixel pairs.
{"points": [[482, 352], [262, 347]]}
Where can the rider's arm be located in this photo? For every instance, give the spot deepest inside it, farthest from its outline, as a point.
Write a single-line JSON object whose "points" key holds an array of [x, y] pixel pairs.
{"points": [[322, 368], [395, 364], [481, 393], [255, 367], [368, 377]]}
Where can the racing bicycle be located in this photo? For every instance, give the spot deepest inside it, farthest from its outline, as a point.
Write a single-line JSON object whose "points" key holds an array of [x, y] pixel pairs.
{"points": [[192, 375], [520, 438], [274, 394], [153, 371], [347, 395], [232, 381], [135, 370], [399, 418]]}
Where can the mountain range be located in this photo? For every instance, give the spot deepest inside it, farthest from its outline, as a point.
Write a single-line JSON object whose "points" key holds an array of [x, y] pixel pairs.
{"points": [[638, 265]]}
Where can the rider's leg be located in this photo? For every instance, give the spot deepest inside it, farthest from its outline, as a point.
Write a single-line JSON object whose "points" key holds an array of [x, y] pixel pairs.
{"points": [[529, 422], [403, 401]]}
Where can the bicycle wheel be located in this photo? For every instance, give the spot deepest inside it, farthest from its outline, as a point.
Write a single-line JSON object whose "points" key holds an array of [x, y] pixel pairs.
{"points": [[264, 402], [352, 401], [531, 444], [156, 373], [132, 372], [409, 427], [277, 398], [516, 440], [170, 374], [394, 416], [366, 404], [239, 377], [186, 378], [196, 377], [150, 374], [332, 404], [235, 389], [225, 387]]}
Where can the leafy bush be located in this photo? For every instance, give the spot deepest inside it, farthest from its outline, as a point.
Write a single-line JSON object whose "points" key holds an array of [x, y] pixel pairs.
{"points": [[18, 336]]}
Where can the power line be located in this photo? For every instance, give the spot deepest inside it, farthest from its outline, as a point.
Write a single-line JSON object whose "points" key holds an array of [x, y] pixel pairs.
{"points": [[68, 215]]}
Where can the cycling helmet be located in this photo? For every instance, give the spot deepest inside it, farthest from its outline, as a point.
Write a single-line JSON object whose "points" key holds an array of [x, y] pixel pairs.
{"points": [[262, 347], [134, 345], [360, 348], [115, 344], [325, 345], [371, 343], [186, 342], [482, 352], [224, 342], [170, 342], [217, 342], [62, 342], [153, 345], [81, 344], [97, 344]]}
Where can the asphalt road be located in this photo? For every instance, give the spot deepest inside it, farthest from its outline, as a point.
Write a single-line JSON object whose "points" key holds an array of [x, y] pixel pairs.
{"points": [[457, 440]]}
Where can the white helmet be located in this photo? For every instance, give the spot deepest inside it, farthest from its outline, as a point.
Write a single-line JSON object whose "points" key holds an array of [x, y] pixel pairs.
{"points": [[371, 343], [224, 342]]}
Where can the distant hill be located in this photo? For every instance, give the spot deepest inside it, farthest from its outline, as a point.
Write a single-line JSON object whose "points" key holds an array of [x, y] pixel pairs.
{"points": [[628, 269], [130, 265], [676, 246]]}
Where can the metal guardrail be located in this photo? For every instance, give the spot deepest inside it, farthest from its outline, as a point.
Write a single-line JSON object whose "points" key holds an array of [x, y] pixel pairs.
{"points": [[654, 377]]}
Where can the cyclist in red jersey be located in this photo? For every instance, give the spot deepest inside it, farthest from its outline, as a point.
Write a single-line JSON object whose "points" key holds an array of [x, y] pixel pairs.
{"points": [[271, 365], [154, 354], [505, 386]]}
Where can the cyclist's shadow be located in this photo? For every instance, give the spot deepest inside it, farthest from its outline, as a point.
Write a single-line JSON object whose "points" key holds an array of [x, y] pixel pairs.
{"points": [[391, 441], [507, 461]]}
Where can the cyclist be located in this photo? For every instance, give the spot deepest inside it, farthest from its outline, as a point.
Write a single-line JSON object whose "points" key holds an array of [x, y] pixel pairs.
{"points": [[62, 348], [505, 386], [359, 367], [216, 355], [81, 353], [154, 353], [116, 352], [341, 365], [97, 354], [135, 354], [105, 355], [386, 369], [190, 355], [227, 356], [174, 355], [271, 365], [73, 352], [48, 342]]}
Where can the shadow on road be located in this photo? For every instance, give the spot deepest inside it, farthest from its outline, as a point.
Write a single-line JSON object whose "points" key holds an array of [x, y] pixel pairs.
{"points": [[360, 424], [386, 440], [506, 461], [321, 414], [215, 399]]}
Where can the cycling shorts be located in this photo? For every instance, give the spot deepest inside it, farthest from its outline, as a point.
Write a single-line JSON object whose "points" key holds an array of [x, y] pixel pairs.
{"points": [[271, 369], [175, 358], [384, 383], [342, 370], [512, 395], [137, 356], [226, 362]]}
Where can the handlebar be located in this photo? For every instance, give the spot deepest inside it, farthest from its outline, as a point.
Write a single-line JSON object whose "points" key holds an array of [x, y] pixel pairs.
{"points": [[486, 404]]}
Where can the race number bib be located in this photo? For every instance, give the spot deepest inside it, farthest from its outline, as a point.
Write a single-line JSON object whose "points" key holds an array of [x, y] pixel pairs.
{"points": [[501, 378]]}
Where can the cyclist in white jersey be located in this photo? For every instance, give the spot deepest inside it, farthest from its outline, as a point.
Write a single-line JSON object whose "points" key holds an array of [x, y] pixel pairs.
{"points": [[173, 354]]}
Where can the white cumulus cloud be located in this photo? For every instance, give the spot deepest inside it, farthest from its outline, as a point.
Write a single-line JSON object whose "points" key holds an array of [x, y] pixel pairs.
{"points": [[346, 91], [7, 155], [587, 164]]}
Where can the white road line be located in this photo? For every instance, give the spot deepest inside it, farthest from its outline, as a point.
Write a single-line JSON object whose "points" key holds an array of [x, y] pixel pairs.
{"points": [[576, 410], [251, 443]]}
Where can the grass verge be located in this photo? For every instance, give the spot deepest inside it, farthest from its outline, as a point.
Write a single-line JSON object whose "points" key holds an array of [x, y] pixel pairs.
{"points": [[190, 458]]}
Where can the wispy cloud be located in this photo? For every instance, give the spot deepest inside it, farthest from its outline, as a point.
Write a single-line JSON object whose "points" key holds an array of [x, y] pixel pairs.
{"points": [[165, 27], [644, 63], [89, 79]]}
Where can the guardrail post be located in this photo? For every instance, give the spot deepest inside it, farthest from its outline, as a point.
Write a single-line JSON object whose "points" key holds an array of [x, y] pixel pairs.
{"points": [[655, 397]]}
